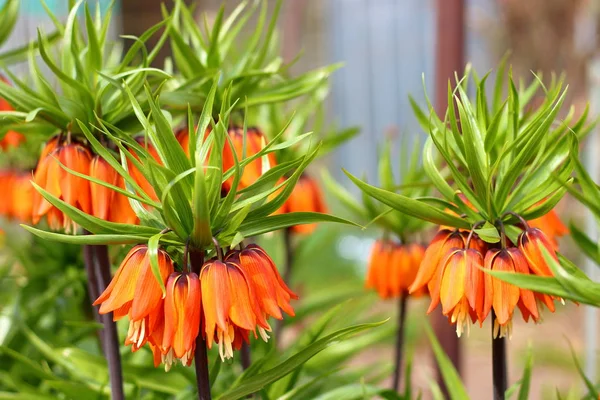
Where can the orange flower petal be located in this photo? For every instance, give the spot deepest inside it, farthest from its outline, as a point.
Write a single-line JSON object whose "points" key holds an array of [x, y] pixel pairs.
{"points": [[453, 280], [505, 296]]}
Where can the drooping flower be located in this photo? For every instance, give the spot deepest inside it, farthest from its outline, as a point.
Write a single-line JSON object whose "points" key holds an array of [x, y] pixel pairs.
{"points": [[134, 291], [551, 225], [52, 177], [531, 242], [306, 197], [462, 291], [10, 138], [181, 318], [273, 295], [107, 204], [430, 271], [255, 141], [137, 175], [6, 182], [393, 267], [22, 197], [229, 305], [501, 296]]}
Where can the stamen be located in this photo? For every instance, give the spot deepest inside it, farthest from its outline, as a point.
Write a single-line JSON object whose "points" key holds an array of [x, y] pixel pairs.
{"points": [[263, 334], [142, 332]]}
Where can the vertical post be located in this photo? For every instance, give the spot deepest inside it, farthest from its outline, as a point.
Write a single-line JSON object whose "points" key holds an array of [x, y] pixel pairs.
{"points": [[450, 58]]}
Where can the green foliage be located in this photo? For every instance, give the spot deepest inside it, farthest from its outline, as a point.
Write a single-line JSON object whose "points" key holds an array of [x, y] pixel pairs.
{"points": [[412, 185], [493, 159], [127, 112]]}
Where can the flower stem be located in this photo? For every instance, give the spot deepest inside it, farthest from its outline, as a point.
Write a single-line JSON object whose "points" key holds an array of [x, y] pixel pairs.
{"points": [[498, 364], [245, 356], [287, 274], [201, 364], [399, 341], [196, 259], [97, 256], [92, 283]]}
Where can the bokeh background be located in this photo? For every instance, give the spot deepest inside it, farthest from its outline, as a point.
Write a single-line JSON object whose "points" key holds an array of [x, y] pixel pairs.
{"points": [[387, 48]]}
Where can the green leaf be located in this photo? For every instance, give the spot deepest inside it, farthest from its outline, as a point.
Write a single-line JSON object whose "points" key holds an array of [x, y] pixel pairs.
{"points": [[488, 233], [585, 243], [343, 195], [8, 17], [87, 239], [259, 381], [592, 392], [410, 206], [201, 235], [272, 223], [153, 245], [91, 223], [526, 379], [542, 284], [456, 389], [94, 54]]}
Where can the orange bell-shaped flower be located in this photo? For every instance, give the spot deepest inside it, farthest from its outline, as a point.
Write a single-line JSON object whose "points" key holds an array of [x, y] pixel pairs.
{"points": [[137, 175], [106, 203], [22, 197], [134, 291], [430, 271], [462, 291], [531, 242], [393, 267], [503, 297], [273, 295], [7, 183], [230, 305], [52, 177], [255, 141], [306, 197], [182, 318], [11, 138], [551, 225]]}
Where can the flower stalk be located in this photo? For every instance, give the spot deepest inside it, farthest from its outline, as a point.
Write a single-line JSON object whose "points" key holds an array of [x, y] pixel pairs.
{"points": [[98, 269], [287, 273], [245, 356], [196, 259], [498, 363], [399, 341], [92, 283]]}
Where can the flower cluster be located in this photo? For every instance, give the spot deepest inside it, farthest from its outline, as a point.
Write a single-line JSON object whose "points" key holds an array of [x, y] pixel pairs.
{"points": [[231, 297], [453, 271], [393, 267], [11, 138], [306, 197], [18, 203], [62, 155]]}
